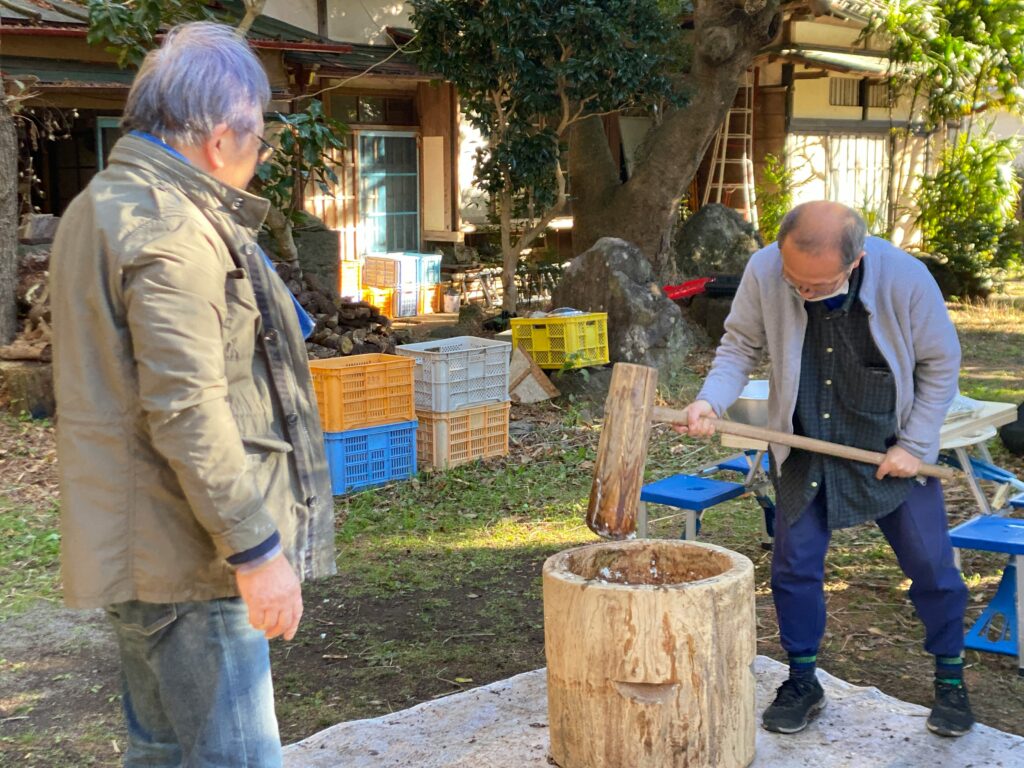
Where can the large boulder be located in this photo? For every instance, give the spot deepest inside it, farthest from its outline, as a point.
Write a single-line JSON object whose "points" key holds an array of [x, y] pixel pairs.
{"points": [[714, 241], [643, 326]]}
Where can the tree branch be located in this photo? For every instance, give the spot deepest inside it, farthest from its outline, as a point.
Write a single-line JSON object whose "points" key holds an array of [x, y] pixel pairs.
{"points": [[537, 229], [253, 9]]}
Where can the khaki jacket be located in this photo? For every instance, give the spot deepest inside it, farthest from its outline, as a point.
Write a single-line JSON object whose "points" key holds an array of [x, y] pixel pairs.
{"points": [[186, 426]]}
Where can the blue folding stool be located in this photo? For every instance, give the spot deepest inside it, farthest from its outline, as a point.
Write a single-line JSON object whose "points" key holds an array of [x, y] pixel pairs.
{"points": [[690, 493], [1000, 628]]}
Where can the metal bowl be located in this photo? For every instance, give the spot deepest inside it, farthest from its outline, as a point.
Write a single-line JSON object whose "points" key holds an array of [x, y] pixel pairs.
{"points": [[752, 405]]}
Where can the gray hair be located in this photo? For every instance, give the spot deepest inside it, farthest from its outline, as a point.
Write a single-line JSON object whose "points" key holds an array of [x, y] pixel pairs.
{"points": [[203, 75], [849, 240]]}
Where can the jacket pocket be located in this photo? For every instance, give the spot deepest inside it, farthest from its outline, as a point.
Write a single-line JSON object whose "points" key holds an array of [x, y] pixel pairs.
{"points": [[265, 443], [870, 390], [267, 461], [145, 619], [241, 323]]}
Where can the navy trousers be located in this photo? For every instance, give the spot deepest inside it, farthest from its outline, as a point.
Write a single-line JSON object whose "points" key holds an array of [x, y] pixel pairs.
{"points": [[918, 533]]}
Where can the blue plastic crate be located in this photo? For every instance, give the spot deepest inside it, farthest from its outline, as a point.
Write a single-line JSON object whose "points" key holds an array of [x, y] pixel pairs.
{"points": [[361, 458], [429, 271]]}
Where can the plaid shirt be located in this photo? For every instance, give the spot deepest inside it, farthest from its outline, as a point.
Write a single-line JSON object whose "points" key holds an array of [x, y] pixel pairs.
{"points": [[847, 395]]}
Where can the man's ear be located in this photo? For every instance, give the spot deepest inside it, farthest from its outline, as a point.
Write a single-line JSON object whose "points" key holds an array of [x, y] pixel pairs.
{"points": [[214, 147]]}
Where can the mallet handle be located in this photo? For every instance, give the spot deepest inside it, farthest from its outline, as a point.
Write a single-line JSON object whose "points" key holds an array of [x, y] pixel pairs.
{"points": [[673, 416]]}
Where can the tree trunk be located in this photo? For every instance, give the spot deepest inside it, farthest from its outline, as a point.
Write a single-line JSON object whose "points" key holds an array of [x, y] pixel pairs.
{"points": [[645, 209], [509, 256], [281, 230], [8, 221]]}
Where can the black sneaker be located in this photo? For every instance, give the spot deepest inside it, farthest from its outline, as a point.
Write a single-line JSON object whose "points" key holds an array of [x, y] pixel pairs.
{"points": [[796, 703], [951, 715]]}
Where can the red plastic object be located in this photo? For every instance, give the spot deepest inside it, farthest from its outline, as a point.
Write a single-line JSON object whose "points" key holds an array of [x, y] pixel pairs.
{"points": [[687, 289]]}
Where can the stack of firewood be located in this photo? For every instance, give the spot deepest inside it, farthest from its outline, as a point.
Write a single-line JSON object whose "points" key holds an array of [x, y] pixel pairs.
{"points": [[33, 297], [343, 326]]}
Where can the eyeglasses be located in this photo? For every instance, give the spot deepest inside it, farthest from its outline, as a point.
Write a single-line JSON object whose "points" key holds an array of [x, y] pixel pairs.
{"points": [[820, 289], [267, 150]]}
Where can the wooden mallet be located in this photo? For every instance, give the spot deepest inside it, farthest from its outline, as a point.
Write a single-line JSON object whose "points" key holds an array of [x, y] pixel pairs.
{"points": [[622, 450]]}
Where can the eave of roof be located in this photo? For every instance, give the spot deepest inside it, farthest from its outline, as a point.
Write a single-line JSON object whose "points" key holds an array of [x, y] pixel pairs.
{"points": [[870, 64], [378, 60]]}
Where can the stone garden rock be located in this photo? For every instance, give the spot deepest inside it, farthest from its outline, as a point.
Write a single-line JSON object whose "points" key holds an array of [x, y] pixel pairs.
{"points": [[643, 325], [715, 241]]}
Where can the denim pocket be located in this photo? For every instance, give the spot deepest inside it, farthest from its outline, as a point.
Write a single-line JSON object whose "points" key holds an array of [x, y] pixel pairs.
{"points": [[145, 619]]}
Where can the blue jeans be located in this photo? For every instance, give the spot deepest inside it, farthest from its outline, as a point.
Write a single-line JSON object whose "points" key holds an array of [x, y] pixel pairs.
{"points": [[918, 533], [197, 688]]}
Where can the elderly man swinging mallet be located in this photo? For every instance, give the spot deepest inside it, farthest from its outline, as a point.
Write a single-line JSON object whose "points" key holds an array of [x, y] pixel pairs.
{"points": [[864, 367], [863, 353]]}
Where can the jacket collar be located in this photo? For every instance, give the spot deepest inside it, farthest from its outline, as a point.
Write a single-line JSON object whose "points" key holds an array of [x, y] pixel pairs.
{"points": [[870, 266], [247, 209]]}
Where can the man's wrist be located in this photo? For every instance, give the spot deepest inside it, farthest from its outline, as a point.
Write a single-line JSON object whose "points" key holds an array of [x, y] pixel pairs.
{"points": [[260, 561], [253, 558]]}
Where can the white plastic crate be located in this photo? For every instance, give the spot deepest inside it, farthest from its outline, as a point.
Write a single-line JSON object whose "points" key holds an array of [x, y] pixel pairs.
{"points": [[405, 300], [457, 372]]}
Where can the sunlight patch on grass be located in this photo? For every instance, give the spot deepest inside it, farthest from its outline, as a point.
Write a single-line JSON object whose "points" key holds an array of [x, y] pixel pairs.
{"points": [[29, 556]]}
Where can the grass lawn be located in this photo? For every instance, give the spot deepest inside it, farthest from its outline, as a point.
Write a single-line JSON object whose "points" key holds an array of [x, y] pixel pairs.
{"points": [[438, 588]]}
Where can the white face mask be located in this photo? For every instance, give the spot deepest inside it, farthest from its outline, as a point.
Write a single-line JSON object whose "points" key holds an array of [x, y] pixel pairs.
{"points": [[842, 290]]}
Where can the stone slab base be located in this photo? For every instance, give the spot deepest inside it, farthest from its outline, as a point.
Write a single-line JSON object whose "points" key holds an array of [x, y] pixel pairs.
{"points": [[504, 725]]}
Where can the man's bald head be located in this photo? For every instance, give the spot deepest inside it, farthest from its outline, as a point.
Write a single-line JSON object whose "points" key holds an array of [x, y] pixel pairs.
{"points": [[823, 226]]}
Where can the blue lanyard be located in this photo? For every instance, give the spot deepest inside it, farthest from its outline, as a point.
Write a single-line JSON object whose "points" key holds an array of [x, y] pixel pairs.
{"points": [[160, 143]]}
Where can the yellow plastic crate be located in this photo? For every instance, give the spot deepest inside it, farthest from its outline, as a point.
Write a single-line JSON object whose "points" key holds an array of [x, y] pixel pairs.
{"points": [[363, 391], [450, 438], [382, 298], [350, 279], [559, 343]]}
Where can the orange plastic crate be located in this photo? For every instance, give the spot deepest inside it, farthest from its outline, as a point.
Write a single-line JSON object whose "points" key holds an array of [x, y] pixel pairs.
{"points": [[428, 300], [381, 298], [350, 279], [363, 391], [448, 439]]}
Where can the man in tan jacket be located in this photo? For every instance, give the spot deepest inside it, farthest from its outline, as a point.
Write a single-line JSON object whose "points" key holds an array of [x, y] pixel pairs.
{"points": [[195, 493]]}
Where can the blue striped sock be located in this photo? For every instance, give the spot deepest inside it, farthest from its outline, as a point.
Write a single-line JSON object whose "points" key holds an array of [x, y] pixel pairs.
{"points": [[949, 669]]}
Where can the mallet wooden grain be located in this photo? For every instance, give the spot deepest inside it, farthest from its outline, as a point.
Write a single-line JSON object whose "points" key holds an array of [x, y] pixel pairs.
{"points": [[622, 450], [739, 429]]}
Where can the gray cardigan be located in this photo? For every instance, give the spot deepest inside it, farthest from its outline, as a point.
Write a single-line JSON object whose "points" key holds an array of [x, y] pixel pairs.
{"points": [[908, 320]]}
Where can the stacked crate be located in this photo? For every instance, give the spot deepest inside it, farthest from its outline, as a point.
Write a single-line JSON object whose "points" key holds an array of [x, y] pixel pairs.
{"points": [[563, 342], [429, 275], [350, 279], [367, 412], [462, 399], [406, 283]]}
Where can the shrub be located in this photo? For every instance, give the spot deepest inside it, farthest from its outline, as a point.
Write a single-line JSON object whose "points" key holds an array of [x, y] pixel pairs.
{"points": [[967, 215], [774, 197]]}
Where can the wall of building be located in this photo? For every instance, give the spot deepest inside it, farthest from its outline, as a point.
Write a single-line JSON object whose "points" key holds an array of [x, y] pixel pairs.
{"points": [[1003, 125], [299, 13], [473, 202], [357, 22]]}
